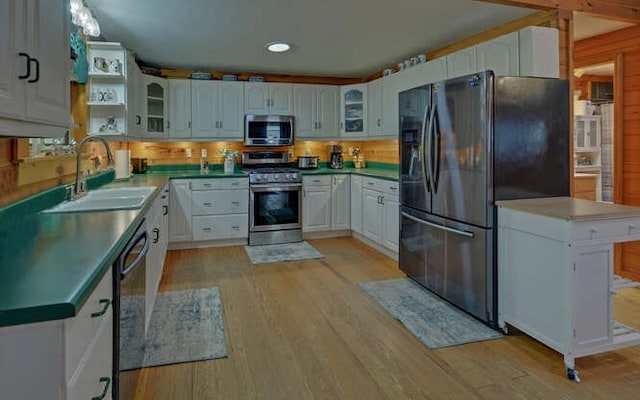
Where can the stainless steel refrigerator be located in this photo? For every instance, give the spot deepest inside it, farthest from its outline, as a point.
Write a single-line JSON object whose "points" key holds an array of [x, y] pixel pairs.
{"points": [[465, 143]]}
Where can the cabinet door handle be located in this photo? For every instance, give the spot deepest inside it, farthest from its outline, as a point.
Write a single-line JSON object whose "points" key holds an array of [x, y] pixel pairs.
{"points": [[370, 183], [37, 78], [235, 227], [206, 204], [319, 125], [107, 383], [207, 229], [217, 125], [235, 203], [138, 120], [342, 125], [304, 194], [316, 181], [26, 75], [220, 124], [156, 235], [206, 184], [168, 124], [165, 209], [382, 200], [393, 188], [234, 183], [106, 303], [378, 122], [189, 124]]}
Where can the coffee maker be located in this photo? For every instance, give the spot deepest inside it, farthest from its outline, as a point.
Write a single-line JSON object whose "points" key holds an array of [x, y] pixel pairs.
{"points": [[335, 156]]}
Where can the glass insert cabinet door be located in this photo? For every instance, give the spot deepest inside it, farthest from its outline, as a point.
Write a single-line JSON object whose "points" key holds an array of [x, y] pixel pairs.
{"points": [[156, 104], [353, 113]]}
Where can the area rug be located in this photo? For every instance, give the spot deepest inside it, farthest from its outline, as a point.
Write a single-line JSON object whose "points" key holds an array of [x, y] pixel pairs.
{"points": [[185, 326], [281, 252], [434, 321]]}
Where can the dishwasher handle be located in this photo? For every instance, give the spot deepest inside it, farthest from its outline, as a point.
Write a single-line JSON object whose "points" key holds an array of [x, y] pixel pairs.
{"points": [[125, 270]]}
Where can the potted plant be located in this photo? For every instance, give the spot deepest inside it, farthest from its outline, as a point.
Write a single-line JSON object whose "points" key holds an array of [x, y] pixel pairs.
{"points": [[228, 155]]}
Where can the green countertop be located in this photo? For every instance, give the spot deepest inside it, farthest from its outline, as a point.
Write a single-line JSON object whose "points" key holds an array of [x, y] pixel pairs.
{"points": [[51, 262]]}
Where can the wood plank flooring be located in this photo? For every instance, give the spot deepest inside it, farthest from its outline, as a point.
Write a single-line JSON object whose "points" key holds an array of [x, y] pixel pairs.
{"points": [[305, 330]]}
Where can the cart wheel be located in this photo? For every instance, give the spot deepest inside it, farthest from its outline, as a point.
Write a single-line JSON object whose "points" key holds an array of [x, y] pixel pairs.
{"points": [[572, 374]]}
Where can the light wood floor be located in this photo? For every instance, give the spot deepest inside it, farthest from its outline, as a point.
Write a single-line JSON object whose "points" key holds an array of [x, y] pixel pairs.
{"points": [[305, 330]]}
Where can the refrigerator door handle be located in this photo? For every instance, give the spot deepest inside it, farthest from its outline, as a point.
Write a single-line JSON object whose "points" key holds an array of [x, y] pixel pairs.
{"points": [[429, 151], [427, 184], [437, 226], [435, 145], [426, 148]]}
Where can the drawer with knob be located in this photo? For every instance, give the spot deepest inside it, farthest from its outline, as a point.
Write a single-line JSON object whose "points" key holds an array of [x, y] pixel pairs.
{"points": [[213, 227], [220, 202]]}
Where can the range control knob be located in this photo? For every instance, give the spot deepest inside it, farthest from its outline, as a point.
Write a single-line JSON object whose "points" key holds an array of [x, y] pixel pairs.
{"points": [[276, 177], [288, 177]]}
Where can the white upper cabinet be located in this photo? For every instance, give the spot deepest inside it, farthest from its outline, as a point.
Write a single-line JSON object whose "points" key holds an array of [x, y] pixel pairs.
{"points": [[179, 108], [421, 74], [499, 55], [135, 98], [230, 115], [462, 62], [268, 98], [539, 52], [316, 110], [374, 107], [328, 104], [353, 111], [34, 74], [216, 109]]}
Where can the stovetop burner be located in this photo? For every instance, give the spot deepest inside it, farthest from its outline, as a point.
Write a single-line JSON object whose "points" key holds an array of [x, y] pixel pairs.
{"points": [[266, 167]]}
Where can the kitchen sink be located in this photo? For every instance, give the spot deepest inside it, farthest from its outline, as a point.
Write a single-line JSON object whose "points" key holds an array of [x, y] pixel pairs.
{"points": [[106, 199]]}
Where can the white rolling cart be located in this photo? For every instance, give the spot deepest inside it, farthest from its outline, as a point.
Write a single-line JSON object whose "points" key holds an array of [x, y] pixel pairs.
{"points": [[555, 273]]}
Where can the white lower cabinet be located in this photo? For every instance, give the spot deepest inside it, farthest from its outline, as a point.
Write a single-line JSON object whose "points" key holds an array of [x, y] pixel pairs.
{"points": [[62, 359], [316, 203], [356, 203], [326, 204], [340, 202], [157, 220], [372, 221], [380, 212], [209, 209], [390, 221], [180, 211]]}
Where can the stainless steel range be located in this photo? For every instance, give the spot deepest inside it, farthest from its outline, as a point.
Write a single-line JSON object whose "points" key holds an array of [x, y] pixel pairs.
{"points": [[275, 198]]}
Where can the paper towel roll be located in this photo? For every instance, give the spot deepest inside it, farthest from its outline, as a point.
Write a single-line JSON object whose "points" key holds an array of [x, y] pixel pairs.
{"points": [[123, 159]]}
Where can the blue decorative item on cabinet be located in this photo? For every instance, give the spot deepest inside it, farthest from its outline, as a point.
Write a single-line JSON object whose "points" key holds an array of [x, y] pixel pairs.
{"points": [[80, 67]]}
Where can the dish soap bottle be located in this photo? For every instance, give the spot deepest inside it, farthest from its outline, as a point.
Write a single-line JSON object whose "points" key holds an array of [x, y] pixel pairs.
{"points": [[204, 162]]}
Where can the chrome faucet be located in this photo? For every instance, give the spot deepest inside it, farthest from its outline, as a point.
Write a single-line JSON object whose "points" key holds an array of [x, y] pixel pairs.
{"points": [[80, 189]]}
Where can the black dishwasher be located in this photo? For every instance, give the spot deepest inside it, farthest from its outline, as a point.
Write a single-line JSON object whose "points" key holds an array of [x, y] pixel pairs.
{"points": [[129, 273]]}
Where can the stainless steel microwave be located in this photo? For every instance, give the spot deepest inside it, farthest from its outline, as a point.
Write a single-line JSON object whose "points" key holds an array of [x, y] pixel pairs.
{"points": [[268, 130]]}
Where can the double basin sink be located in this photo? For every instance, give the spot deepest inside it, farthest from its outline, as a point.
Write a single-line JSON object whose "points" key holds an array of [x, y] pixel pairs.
{"points": [[126, 198]]}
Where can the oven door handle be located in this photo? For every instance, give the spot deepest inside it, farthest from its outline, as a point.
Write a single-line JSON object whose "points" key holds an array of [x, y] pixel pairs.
{"points": [[275, 187], [132, 244]]}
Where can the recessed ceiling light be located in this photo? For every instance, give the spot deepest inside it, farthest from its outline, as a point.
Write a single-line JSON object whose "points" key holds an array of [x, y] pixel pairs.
{"points": [[277, 47]]}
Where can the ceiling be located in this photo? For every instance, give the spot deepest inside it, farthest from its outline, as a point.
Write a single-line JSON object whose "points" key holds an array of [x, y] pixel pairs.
{"points": [[339, 38], [586, 26]]}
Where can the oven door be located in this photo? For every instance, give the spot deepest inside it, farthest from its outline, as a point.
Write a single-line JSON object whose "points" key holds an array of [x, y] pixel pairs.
{"points": [[275, 207]]}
